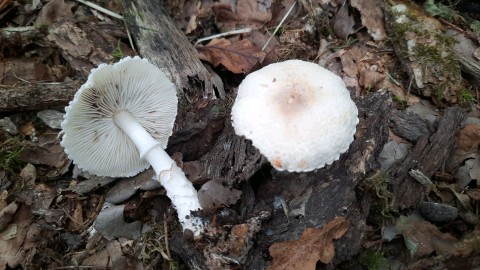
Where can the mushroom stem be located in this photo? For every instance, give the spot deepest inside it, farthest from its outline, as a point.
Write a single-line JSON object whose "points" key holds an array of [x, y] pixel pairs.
{"points": [[179, 189]]}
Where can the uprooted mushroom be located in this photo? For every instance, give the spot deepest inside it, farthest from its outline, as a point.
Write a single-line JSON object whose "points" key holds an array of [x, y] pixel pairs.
{"points": [[118, 125]]}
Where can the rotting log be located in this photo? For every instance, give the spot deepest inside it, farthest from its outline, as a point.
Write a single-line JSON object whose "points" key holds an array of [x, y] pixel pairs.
{"points": [[312, 199], [158, 39], [429, 155], [36, 96]]}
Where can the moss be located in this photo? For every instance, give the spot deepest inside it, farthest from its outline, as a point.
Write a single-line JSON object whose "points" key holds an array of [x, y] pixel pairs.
{"points": [[373, 260], [466, 97], [401, 103], [443, 11], [428, 50], [9, 152], [376, 186], [475, 26], [155, 242], [117, 52]]}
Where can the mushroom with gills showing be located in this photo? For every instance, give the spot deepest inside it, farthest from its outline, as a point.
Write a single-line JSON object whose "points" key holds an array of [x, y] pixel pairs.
{"points": [[118, 125], [298, 114]]}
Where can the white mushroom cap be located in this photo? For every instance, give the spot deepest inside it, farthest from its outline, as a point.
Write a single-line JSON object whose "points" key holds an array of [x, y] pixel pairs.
{"points": [[298, 114], [91, 138]]}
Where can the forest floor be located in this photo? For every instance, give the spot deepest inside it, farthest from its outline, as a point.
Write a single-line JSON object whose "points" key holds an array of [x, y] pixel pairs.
{"points": [[405, 196]]}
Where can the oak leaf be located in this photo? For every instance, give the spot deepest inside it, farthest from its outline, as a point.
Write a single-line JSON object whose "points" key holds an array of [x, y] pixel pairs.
{"points": [[238, 57], [314, 245]]}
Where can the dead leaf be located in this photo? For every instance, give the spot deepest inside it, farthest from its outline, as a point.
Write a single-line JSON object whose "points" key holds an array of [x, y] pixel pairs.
{"points": [[422, 238], [314, 245], [28, 175], [343, 23], [90, 184], [11, 250], [50, 154], [123, 190], [111, 224], [6, 214], [392, 152], [53, 12], [111, 257], [214, 195], [27, 129], [238, 57], [77, 218], [468, 138], [51, 118], [372, 17], [249, 12], [246, 13]]}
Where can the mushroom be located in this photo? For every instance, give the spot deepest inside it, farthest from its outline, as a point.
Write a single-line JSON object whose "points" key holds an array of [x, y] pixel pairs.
{"points": [[298, 114], [118, 125]]}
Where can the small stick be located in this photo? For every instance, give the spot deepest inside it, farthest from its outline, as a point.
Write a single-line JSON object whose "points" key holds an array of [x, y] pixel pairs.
{"points": [[278, 26], [101, 9], [233, 32]]}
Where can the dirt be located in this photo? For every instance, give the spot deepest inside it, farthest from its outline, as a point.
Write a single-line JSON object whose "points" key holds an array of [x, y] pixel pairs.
{"points": [[404, 196]]}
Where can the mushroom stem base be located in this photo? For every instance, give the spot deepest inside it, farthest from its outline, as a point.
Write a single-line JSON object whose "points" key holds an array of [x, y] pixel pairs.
{"points": [[179, 189]]}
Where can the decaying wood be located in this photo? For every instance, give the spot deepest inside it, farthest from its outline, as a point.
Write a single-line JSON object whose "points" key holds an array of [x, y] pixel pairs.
{"points": [[21, 36], [429, 155], [429, 59], [410, 125], [35, 96], [233, 158], [158, 39], [307, 199], [465, 50]]}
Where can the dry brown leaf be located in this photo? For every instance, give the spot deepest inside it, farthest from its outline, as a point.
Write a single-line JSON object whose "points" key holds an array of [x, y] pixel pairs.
{"points": [[12, 248], [247, 13], [238, 57], [314, 245], [50, 154], [372, 17], [54, 11], [468, 138], [423, 238]]}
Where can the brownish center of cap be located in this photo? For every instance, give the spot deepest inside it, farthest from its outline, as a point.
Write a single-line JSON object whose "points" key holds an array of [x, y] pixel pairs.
{"points": [[293, 99]]}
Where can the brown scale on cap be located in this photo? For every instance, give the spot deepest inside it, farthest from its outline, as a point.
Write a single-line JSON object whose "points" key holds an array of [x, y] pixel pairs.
{"points": [[277, 163]]}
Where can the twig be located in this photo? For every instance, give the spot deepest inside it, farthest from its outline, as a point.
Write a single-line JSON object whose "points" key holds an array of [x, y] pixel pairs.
{"points": [[233, 32], [129, 35], [76, 267], [279, 25], [26, 81], [101, 9], [165, 234]]}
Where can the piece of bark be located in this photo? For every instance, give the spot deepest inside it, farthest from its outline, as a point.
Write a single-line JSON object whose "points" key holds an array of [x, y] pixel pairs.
{"points": [[158, 39], [409, 125], [429, 154], [232, 157], [36, 96], [21, 36]]}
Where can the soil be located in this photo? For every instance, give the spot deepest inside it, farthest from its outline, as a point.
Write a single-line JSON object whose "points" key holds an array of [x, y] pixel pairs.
{"points": [[404, 196]]}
